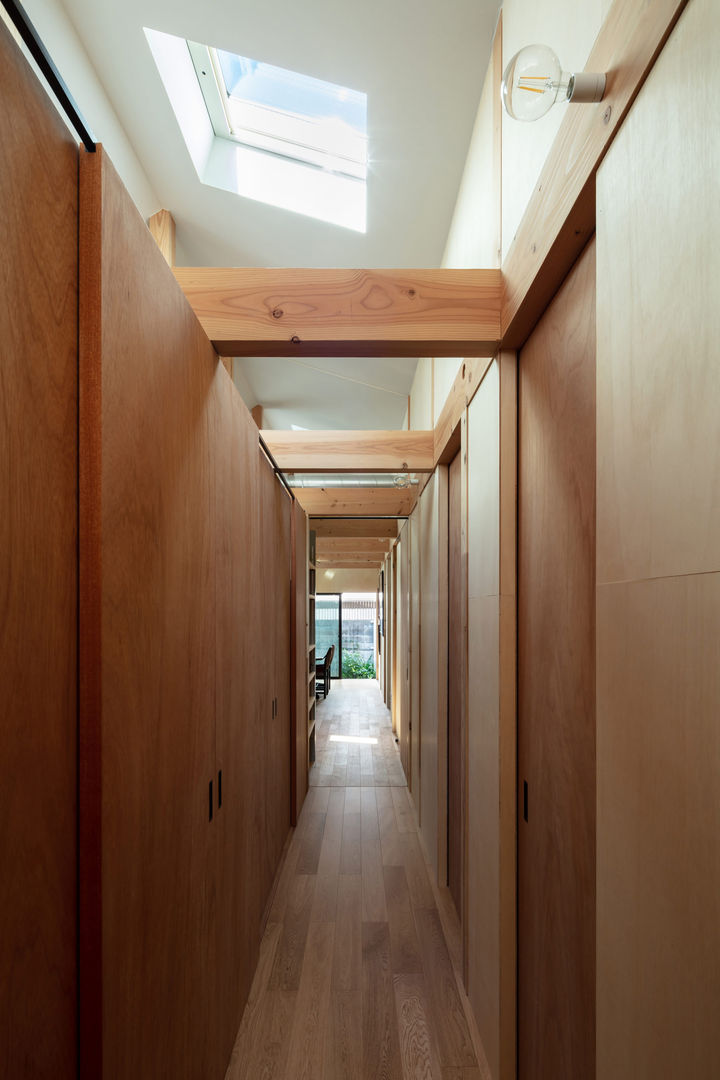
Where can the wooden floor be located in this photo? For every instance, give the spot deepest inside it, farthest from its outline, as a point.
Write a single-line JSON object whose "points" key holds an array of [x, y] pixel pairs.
{"points": [[354, 709], [357, 978]]}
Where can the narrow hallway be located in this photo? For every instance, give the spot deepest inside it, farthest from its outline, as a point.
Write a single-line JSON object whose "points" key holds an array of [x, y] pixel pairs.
{"points": [[357, 972]]}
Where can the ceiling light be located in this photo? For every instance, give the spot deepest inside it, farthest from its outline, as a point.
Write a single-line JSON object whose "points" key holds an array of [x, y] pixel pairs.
{"points": [[533, 81]]}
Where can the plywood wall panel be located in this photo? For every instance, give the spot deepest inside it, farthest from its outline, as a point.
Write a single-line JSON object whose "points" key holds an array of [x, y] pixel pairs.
{"points": [[238, 599], [659, 320], [433, 670], [38, 577], [158, 654], [457, 638], [300, 584], [483, 824], [483, 445], [658, 992], [556, 685], [658, 828], [415, 610]]}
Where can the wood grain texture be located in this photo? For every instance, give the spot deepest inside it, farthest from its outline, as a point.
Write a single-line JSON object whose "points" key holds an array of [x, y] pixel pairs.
{"points": [[433, 668], [380, 1042], [556, 686], [38, 577], [489, 931], [658, 377], [158, 711], [237, 536], [451, 1030], [658, 884], [355, 527], [467, 380], [360, 502], [162, 230], [311, 312], [417, 1049], [457, 658], [560, 217], [373, 1022], [352, 451], [327, 545], [658, 978], [300, 648]]}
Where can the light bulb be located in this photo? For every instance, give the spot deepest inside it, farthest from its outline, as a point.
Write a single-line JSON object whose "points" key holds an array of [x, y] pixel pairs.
{"points": [[533, 81]]}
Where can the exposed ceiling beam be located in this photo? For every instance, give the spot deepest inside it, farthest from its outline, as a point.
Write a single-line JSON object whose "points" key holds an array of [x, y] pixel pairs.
{"points": [[560, 217], [447, 430], [356, 502], [162, 227], [349, 563], [352, 451], [310, 312], [354, 527], [366, 544]]}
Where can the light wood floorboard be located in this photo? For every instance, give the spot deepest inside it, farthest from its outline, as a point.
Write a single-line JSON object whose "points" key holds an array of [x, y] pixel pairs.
{"points": [[358, 971]]}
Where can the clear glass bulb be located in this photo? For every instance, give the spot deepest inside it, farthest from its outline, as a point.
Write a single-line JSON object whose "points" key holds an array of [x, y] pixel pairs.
{"points": [[532, 83]]}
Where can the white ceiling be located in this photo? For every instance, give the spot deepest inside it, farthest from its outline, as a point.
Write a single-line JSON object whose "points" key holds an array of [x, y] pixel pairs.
{"points": [[335, 394], [422, 65]]}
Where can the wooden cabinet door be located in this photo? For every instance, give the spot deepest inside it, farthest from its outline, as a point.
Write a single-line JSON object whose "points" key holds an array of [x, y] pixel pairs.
{"points": [[556, 687], [238, 656], [156, 725], [38, 578]]}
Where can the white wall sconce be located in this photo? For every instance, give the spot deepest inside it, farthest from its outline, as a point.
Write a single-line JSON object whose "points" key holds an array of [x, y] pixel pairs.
{"points": [[533, 81]]}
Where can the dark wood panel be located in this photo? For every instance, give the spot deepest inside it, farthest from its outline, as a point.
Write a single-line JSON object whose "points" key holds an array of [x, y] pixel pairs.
{"points": [[38, 577], [159, 386], [456, 688], [556, 687], [300, 651], [239, 898]]}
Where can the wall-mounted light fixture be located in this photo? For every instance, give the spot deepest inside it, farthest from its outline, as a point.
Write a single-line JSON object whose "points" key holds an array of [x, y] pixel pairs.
{"points": [[533, 81]]}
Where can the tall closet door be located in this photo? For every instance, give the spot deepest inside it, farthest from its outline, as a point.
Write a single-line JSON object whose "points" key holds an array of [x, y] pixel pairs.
{"points": [[38, 578], [155, 722], [238, 653], [556, 687], [275, 674]]}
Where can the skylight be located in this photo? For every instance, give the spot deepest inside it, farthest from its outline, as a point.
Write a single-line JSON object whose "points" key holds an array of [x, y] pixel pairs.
{"points": [[277, 136]]}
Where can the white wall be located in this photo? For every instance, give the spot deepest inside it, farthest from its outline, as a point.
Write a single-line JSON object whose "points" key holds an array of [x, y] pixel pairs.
{"points": [[570, 29], [347, 580], [76, 68]]}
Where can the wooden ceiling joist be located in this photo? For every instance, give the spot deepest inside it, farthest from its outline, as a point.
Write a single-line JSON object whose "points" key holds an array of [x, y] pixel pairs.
{"points": [[310, 312], [330, 545], [356, 501], [354, 527], [349, 564], [352, 451]]}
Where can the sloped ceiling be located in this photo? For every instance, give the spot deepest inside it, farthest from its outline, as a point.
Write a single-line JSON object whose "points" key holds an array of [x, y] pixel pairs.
{"points": [[421, 64]]}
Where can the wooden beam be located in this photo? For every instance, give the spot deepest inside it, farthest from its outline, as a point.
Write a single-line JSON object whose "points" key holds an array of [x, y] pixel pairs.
{"points": [[329, 545], [324, 527], [447, 429], [311, 312], [560, 217], [352, 451], [162, 227], [349, 563], [356, 501]]}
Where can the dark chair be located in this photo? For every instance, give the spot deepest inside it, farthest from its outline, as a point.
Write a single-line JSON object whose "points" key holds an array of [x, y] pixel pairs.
{"points": [[322, 673]]}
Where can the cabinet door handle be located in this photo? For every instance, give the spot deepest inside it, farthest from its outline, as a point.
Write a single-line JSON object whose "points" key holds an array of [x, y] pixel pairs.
{"points": [[219, 788], [211, 801]]}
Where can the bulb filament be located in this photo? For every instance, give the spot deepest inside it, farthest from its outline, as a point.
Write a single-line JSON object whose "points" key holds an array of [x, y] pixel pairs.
{"points": [[536, 78]]}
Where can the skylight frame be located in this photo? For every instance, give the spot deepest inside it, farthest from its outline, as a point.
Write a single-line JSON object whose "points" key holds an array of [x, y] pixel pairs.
{"points": [[219, 105]]}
